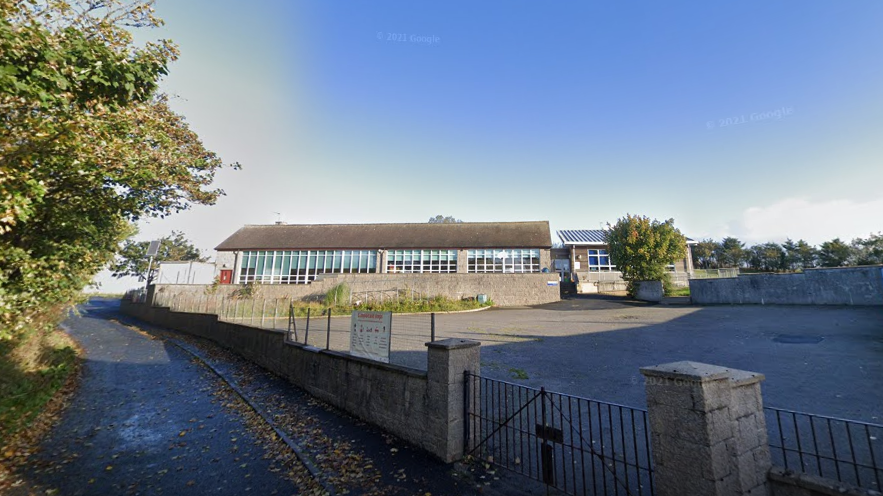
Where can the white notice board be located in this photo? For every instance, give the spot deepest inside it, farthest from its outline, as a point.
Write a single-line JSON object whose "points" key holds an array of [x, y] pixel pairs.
{"points": [[369, 335]]}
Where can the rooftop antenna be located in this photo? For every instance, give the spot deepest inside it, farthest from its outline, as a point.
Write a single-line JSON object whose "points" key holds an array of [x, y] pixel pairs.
{"points": [[278, 218]]}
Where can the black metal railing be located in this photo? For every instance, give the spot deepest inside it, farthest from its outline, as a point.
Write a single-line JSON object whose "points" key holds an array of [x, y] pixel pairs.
{"points": [[844, 450], [577, 445]]}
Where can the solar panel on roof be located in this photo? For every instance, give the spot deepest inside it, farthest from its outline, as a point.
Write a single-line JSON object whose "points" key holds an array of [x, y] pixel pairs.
{"points": [[582, 235]]}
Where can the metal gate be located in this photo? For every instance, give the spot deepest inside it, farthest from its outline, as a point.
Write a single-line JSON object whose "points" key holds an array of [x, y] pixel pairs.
{"points": [[577, 445]]}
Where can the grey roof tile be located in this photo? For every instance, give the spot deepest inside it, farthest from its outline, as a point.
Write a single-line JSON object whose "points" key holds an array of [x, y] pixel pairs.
{"points": [[390, 236]]}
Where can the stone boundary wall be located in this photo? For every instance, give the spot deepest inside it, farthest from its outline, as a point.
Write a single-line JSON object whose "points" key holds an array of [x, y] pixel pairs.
{"points": [[835, 286], [423, 408], [502, 289]]}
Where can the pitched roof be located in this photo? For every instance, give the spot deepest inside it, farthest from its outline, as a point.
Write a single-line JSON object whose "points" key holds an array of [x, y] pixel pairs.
{"points": [[389, 236], [589, 237]]}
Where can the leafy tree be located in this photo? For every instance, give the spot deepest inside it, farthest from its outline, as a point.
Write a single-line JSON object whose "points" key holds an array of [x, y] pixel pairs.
{"points": [[808, 254], [132, 260], [441, 219], [730, 252], [87, 147], [868, 251], [704, 254], [641, 248], [835, 253], [791, 260], [767, 257]]}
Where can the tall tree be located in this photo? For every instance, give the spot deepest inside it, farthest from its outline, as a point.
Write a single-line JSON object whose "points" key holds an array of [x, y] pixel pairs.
{"points": [[767, 257], [868, 251], [86, 147], [791, 259], [835, 253], [704, 254], [809, 255], [132, 259], [730, 252], [441, 219], [641, 248]]}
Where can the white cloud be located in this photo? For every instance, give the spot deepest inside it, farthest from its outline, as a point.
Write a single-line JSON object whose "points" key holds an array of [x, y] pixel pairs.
{"points": [[816, 222]]}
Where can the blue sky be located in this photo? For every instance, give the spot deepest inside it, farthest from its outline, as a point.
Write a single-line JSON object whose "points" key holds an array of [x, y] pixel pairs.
{"points": [[572, 112]]}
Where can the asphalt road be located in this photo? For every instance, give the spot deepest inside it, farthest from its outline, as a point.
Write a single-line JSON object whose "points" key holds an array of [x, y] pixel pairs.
{"points": [[822, 360], [825, 360]]}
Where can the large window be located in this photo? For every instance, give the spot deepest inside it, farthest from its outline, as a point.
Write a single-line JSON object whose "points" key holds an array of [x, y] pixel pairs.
{"points": [[599, 261], [419, 261], [301, 267], [503, 260]]}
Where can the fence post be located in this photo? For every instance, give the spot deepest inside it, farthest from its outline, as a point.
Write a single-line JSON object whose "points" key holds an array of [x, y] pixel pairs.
{"points": [[292, 322], [275, 311], [263, 311], [547, 457], [446, 363], [251, 316], [328, 336], [467, 408], [307, 330], [708, 430]]}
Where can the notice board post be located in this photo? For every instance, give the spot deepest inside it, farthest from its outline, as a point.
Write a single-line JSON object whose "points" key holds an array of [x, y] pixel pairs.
{"points": [[370, 335]]}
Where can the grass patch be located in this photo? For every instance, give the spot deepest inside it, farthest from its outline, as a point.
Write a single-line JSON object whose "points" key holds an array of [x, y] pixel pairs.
{"points": [[337, 302], [32, 369], [104, 295], [669, 288], [678, 292], [247, 304], [517, 373], [338, 295]]}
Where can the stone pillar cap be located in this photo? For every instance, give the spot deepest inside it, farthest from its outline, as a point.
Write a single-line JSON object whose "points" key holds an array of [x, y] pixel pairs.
{"points": [[701, 372], [453, 344]]}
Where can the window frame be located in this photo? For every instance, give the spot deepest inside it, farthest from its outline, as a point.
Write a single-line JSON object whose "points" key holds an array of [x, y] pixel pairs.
{"points": [[302, 266], [496, 261]]}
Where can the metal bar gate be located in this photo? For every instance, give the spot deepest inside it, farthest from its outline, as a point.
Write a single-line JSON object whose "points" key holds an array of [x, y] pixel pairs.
{"points": [[577, 445]]}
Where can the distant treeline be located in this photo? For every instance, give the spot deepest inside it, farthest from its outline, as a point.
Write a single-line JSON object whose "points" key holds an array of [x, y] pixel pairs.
{"points": [[788, 256]]}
